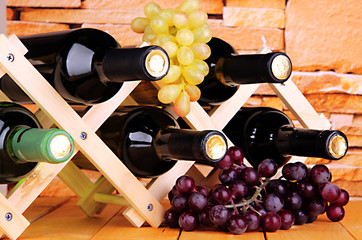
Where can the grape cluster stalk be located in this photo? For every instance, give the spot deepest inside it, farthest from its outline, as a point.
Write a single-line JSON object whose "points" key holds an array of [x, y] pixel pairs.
{"points": [[248, 199], [183, 32]]}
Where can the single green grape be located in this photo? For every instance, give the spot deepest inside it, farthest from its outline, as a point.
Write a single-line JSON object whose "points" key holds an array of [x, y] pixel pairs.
{"points": [[149, 34], [192, 75], [139, 24], [159, 25], [202, 34], [197, 19], [168, 93], [201, 65], [173, 74], [167, 14], [189, 6], [201, 50], [151, 9], [185, 55], [180, 19], [185, 37], [170, 47]]}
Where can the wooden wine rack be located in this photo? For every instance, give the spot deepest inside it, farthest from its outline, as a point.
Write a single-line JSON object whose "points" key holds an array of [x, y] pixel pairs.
{"points": [[144, 202]]}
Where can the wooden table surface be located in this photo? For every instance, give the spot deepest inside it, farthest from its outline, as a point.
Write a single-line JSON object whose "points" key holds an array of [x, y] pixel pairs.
{"points": [[60, 218]]}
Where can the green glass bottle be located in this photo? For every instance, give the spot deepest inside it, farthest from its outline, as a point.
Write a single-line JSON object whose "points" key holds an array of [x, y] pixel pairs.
{"points": [[23, 143]]}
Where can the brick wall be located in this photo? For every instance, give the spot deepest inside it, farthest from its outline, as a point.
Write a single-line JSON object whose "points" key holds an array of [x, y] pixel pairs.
{"points": [[322, 37]]}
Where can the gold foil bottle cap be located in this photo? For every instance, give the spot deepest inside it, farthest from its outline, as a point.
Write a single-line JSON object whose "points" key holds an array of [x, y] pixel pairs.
{"points": [[281, 67], [216, 147], [337, 146], [157, 63]]}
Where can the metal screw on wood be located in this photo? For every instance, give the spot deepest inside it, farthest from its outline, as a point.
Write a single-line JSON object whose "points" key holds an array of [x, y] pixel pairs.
{"points": [[149, 207], [83, 135], [8, 216], [10, 57]]}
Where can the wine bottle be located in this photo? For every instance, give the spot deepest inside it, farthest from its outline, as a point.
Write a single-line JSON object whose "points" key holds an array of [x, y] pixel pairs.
{"points": [[87, 66], [227, 70], [264, 132], [23, 143], [149, 142]]}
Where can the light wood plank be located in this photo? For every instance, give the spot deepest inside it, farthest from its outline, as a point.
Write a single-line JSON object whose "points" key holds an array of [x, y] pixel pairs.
{"points": [[68, 222], [120, 228], [43, 206], [322, 228], [214, 233], [352, 219]]}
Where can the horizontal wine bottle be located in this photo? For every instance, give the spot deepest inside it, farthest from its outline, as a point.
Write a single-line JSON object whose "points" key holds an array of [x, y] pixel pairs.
{"points": [[23, 144], [227, 70], [264, 132], [87, 66], [149, 142]]}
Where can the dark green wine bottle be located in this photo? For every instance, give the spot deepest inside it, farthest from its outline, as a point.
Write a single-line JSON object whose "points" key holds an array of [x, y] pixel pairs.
{"points": [[23, 144]]}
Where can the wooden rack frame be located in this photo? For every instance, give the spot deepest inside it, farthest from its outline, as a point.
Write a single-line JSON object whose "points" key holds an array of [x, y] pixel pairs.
{"points": [[144, 202]]}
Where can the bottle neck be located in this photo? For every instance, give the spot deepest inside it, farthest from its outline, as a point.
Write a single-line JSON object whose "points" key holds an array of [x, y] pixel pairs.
{"points": [[206, 147], [39, 145], [254, 68], [328, 144], [126, 64]]}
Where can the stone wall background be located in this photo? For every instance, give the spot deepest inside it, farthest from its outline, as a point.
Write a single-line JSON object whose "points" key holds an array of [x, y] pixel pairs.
{"points": [[322, 37]]}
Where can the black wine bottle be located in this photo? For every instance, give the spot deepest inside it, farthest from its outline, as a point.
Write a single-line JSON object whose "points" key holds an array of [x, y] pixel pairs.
{"points": [[149, 142], [269, 133], [87, 66], [227, 70], [23, 143]]}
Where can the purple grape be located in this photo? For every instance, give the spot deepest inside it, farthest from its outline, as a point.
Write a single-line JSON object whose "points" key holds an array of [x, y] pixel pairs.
{"points": [[343, 198], [174, 192], [295, 171], [267, 168], [315, 207], [320, 174], [226, 162], [197, 201], [311, 219], [287, 219], [253, 220], [185, 184], [292, 201], [329, 191], [307, 189], [236, 154], [335, 212], [273, 203], [171, 218], [202, 189], [188, 221], [204, 216], [260, 209], [277, 186], [219, 215], [227, 176], [237, 224], [179, 203], [271, 222], [300, 217], [250, 176], [238, 189], [221, 195]]}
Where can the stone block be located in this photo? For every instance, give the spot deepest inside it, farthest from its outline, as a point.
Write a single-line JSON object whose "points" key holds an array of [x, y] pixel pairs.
{"points": [[20, 28], [256, 3], [44, 3]]}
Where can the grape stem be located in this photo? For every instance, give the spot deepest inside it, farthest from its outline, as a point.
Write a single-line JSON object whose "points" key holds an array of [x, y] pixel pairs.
{"points": [[253, 198]]}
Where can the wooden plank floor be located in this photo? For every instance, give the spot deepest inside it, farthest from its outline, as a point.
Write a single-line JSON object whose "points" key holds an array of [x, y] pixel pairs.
{"points": [[60, 218]]}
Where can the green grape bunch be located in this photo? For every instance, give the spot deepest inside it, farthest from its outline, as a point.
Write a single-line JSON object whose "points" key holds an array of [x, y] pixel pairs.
{"points": [[183, 33]]}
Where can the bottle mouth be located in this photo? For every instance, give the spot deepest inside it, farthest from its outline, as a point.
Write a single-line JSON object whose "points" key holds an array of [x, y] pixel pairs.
{"points": [[157, 63], [281, 67], [337, 146], [60, 146], [216, 147]]}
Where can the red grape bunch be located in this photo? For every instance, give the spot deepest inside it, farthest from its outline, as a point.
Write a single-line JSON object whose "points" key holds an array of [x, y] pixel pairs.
{"points": [[247, 199]]}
